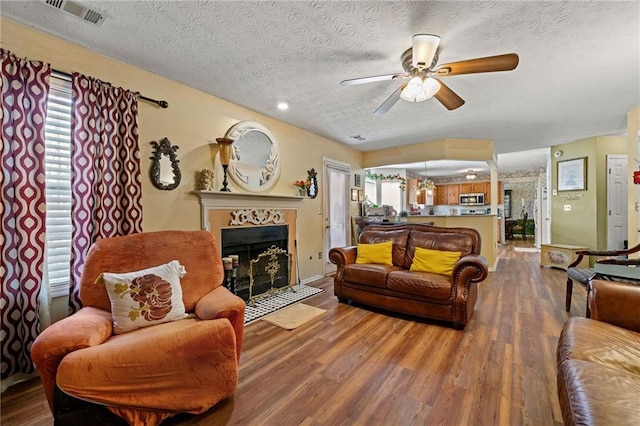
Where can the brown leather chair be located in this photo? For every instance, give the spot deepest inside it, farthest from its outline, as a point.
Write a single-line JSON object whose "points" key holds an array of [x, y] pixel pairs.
{"points": [[584, 275], [155, 372], [598, 357]]}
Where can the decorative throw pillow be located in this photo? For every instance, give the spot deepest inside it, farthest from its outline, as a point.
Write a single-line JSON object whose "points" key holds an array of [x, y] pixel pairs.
{"points": [[146, 297], [379, 253], [434, 261]]}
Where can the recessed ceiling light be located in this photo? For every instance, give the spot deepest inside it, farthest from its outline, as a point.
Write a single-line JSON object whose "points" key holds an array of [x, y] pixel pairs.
{"points": [[283, 105]]}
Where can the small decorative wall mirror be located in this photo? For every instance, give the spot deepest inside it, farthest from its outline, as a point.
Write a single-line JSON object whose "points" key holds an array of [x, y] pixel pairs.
{"points": [[312, 176], [255, 159], [165, 172]]}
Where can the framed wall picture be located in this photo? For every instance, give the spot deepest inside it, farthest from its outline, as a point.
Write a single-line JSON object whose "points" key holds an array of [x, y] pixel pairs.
{"points": [[354, 195], [356, 180], [360, 195], [572, 175]]}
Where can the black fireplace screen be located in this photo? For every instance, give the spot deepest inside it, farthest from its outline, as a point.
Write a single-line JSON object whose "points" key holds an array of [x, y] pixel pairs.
{"points": [[248, 243]]}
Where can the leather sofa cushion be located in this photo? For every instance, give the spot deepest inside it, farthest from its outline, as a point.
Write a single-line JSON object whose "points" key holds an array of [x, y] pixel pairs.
{"points": [[399, 238], [598, 394], [445, 241], [600, 343], [373, 275], [423, 284]]}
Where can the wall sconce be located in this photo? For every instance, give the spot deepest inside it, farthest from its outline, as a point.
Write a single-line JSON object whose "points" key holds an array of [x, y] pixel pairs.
{"points": [[225, 156]]}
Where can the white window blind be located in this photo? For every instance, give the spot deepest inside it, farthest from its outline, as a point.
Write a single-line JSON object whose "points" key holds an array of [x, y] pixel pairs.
{"points": [[58, 185]]}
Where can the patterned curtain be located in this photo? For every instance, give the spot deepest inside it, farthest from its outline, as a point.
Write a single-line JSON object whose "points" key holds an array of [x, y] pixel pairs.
{"points": [[24, 90], [105, 169]]}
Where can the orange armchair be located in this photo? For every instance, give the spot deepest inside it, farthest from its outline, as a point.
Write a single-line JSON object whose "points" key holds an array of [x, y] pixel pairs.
{"points": [[152, 373]]}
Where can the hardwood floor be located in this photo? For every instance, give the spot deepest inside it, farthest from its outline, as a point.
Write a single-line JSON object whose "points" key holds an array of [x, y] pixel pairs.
{"points": [[356, 366]]}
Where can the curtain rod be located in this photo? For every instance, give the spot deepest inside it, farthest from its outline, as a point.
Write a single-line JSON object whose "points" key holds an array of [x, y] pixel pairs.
{"points": [[161, 104]]}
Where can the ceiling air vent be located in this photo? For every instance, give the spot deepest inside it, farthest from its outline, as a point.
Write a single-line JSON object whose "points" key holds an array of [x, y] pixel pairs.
{"points": [[83, 12]]}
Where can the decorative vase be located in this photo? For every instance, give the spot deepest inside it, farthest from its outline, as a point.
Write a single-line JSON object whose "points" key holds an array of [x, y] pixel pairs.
{"points": [[302, 192]]}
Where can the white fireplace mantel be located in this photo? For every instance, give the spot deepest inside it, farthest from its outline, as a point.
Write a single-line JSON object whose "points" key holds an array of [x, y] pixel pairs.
{"points": [[213, 200]]}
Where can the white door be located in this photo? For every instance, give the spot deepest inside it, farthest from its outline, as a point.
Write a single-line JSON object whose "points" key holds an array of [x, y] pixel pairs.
{"points": [[336, 209], [617, 202]]}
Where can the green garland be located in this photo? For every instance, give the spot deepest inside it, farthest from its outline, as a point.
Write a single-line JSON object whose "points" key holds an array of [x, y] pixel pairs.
{"points": [[378, 176]]}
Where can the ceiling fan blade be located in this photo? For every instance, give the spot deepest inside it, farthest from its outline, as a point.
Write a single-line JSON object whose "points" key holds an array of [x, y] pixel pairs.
{"points": [[505, 62], [424, 47], [391, 101], [372, 79], [448, 97]]}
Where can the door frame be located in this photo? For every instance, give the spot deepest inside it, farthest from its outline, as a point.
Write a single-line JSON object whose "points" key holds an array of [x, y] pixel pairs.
{"points": [[327, 266], [624, 210]]}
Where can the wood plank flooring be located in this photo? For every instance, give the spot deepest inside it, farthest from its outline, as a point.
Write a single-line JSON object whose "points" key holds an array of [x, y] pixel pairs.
{"points": [[359, 366]]}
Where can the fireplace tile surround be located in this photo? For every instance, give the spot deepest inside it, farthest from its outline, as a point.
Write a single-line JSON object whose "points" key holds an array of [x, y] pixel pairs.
{"points": [[232, 210]]}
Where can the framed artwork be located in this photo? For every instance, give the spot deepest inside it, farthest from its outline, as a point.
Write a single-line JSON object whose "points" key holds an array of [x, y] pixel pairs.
{"points": [[360, 195], [354, 195], [572, 175], [356, 180]]}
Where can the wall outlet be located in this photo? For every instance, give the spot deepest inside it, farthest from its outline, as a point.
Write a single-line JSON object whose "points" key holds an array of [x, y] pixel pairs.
{"points": [[319, 255], [567, 207]]}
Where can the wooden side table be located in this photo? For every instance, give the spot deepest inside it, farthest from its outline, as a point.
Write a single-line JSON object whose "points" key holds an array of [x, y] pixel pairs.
{"points": [[561, 255]]}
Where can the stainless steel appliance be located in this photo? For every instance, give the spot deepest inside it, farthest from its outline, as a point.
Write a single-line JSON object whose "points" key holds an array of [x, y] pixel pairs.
{"points": [[472, 199]]}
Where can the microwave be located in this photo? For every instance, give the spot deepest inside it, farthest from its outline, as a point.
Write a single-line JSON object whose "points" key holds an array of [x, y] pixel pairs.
{"points": [[472, 199]]}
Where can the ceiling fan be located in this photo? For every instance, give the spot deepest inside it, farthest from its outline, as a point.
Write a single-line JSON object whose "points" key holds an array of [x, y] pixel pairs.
{"points": [[419, 63]]}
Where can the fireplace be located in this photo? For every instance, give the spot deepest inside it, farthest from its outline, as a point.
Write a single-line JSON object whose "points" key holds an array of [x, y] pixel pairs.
{"points": [[249, 243]]}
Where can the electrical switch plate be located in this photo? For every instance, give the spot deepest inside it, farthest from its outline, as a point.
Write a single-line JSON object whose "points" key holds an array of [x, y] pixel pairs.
{"points": [[567, 207], [555, 192]]}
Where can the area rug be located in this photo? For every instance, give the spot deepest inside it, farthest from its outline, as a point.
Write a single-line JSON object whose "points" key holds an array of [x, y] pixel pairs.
{"points": [[274, 303], [526, 249], [294, 316]]}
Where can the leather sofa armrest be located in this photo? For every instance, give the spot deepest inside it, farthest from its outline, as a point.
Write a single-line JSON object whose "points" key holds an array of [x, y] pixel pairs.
{"points": [[342, 256], [479, 264], [616, 303], [221, 303], [88, 327]]}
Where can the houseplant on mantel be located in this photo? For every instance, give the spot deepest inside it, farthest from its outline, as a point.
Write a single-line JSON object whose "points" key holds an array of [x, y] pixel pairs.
{"points": [[303, 187]]}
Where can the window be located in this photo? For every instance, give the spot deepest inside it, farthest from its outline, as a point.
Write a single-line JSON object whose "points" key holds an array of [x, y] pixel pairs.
{"points": [[58, 185]]}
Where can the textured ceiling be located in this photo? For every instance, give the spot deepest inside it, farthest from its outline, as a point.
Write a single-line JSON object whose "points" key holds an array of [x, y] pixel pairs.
{"points": [[578, 74]]}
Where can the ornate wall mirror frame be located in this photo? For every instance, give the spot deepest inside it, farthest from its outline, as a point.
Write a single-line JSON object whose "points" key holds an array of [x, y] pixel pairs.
{"points": [[255, 159], [165, 172]]}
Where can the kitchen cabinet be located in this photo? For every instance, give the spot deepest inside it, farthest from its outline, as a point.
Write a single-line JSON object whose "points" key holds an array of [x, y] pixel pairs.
{"points": [[472, 188], [487, 193], [447, 195]]}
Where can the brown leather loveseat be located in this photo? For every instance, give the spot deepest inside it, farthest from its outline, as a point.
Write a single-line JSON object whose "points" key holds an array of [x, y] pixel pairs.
{"points": [[396, 288], [599, 359]]}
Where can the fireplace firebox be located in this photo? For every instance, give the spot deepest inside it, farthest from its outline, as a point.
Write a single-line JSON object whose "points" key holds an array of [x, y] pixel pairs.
{"points": [[249, 243]]}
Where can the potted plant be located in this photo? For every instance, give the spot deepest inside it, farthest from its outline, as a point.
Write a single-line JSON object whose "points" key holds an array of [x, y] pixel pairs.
{"points": [[303, 186]]}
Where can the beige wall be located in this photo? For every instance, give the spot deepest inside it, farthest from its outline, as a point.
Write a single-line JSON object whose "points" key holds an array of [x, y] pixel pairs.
{"points": [[586, 223], [193, 121]]}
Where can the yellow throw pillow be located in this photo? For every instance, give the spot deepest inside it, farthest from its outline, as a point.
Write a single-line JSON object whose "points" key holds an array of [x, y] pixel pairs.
{"points": [[379, 253], [434, 261]]}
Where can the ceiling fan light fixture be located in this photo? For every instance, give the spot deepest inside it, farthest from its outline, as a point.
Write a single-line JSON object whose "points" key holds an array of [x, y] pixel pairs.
{"points": [[471, 175], [424, 49], [431, 86], [413, 90]]}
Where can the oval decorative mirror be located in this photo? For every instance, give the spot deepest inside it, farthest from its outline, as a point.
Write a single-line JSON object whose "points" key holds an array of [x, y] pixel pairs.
{"points": [[165, 173], [255, 160]]}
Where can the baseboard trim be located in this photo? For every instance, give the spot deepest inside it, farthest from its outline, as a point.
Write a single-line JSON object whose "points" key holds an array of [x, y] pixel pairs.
{"points": [[311, 279]]}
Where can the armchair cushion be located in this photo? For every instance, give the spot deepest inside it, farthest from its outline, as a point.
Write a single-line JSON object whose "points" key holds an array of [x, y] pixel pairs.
{"points": [[146, 297], [434, 261], [377, 253]]}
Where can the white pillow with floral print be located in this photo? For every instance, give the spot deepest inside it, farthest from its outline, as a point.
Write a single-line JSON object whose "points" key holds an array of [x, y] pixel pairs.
{"points": [[146, 297]]}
